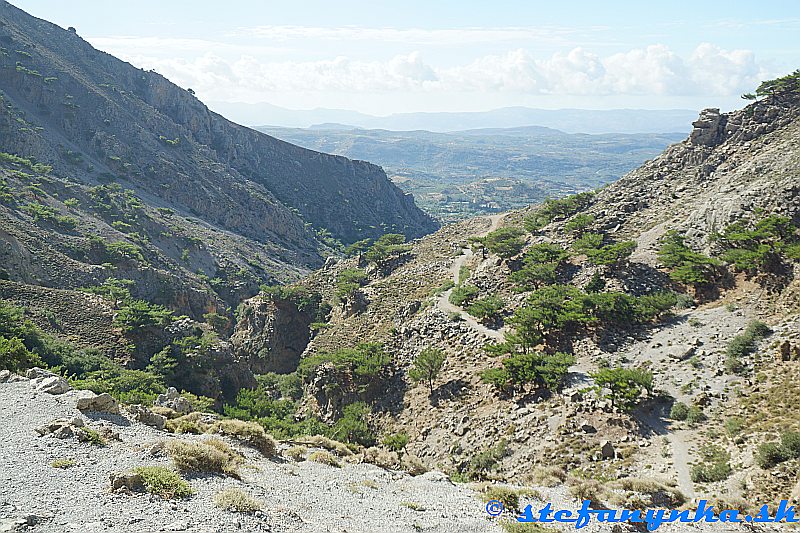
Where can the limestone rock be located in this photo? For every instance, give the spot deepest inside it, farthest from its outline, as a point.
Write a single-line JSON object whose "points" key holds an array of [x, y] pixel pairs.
{"points": [[102, 403], [173, 400], [142, 414], [126, 482], [607, 450], [53, 385]]}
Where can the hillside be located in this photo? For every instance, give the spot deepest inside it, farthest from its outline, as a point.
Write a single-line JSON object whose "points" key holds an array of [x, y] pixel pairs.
{"points": [[189, 186], [463, 174], [674, 274]]}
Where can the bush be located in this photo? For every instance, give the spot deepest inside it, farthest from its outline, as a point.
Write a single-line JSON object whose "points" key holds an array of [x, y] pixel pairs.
{"points": [[545, 371], [579, 222], [325, 458], [297, 453], [353, 426], [337, 447], [427, 366], [485, 307], [463, 293], [734, 425], [86, 434], [745, 343], [611, 254], [505, 242], [687, 266], [164, 482], [248, 433], [769, 455], [790, 442], [348, 281], [365, 360], [560, 209], [138, 314], [63, 463], [487, 461], [679, 411], [211, 455], [507, 496], [387, 245], [396, 441], [695, 415], [15, 356], [236, 500], [626, 385]]}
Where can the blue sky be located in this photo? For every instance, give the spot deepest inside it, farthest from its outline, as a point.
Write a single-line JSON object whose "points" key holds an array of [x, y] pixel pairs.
{"points": [[383, 57]]}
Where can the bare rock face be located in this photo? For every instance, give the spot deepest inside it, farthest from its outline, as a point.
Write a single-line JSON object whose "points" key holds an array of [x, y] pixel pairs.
{"points": [[271, 334], [708, 129]]}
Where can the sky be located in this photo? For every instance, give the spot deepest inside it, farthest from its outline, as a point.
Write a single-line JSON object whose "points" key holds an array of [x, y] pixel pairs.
{"points": [[383, 57]]}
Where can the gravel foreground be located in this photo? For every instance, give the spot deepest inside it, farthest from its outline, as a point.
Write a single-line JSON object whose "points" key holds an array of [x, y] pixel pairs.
{"points": [[297, 497]]}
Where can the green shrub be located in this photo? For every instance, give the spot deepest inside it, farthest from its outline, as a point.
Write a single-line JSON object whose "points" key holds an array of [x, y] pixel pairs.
{"points": [[505, 242], [366, 360], [462, 294], [164, 482], [396, 441], [236, 500], [626, 385], [579, 223], [734, 425], [390, 244], [87, 434], [15, 356], [427, 366], [248, 433], [679, 411], [138, 314], [552, 210], [485, 307], [759, 246], [687, 266], [63, 463], [714, 466], [507, 496], [353, 426], [695, 415], [487, 461], [297, 453], [790, 442], [348, 281], [769, 455]]}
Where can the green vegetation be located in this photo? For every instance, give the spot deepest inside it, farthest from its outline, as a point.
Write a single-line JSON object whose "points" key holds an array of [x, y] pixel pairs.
{"points": [[324, 458], [462, 294], [63, 463], [597, 253], [212, 455], [552, 210], [743, 345], [248, 433], [540, 265], [39, 168], [760, 246], [41, 212], [626, 385], [137, 314], [714, 465], [579, 223], [86, 434], [770, 454], [164, 482], [544, 371], [686, 266], [679, 411], [505, 242], [427, 366], [366, 360], [385, 246], [15, 356], [396, 441], [486, 307], [348, 281], [778, 87], [487, 461], [505, 495], [352, 427], [695, 415]]}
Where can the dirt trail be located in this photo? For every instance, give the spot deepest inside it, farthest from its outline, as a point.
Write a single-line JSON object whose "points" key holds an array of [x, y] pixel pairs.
{"points": [[443, 302]]}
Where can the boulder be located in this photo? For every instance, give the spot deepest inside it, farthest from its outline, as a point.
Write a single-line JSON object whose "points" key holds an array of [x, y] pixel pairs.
{"points": [[142, 414], [102, 403], [53, 385], [173, 400], [126, 482], [607, 450]]}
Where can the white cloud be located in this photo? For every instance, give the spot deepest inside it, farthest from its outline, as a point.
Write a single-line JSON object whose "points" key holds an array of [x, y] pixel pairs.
{"points": [[654, 70]]}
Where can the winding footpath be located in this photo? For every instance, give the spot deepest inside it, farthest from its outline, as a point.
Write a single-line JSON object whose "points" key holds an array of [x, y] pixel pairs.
{"points": [[443, 302]]}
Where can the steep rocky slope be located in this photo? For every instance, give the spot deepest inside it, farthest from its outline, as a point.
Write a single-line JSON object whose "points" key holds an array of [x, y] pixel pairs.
{"points": [[216, 198], [733, 171]]}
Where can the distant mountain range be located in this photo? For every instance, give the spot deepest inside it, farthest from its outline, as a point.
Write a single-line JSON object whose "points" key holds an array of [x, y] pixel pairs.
{"points": [[566, 120]]}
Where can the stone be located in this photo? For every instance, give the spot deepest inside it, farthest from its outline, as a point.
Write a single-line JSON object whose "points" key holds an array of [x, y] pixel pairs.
{"points": [[5, 375], [607, 450], [435, 476], [37, 373], [142, 414], [126, 482], [53, 385], [587, 427], [102, 403], [173, 400]]}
